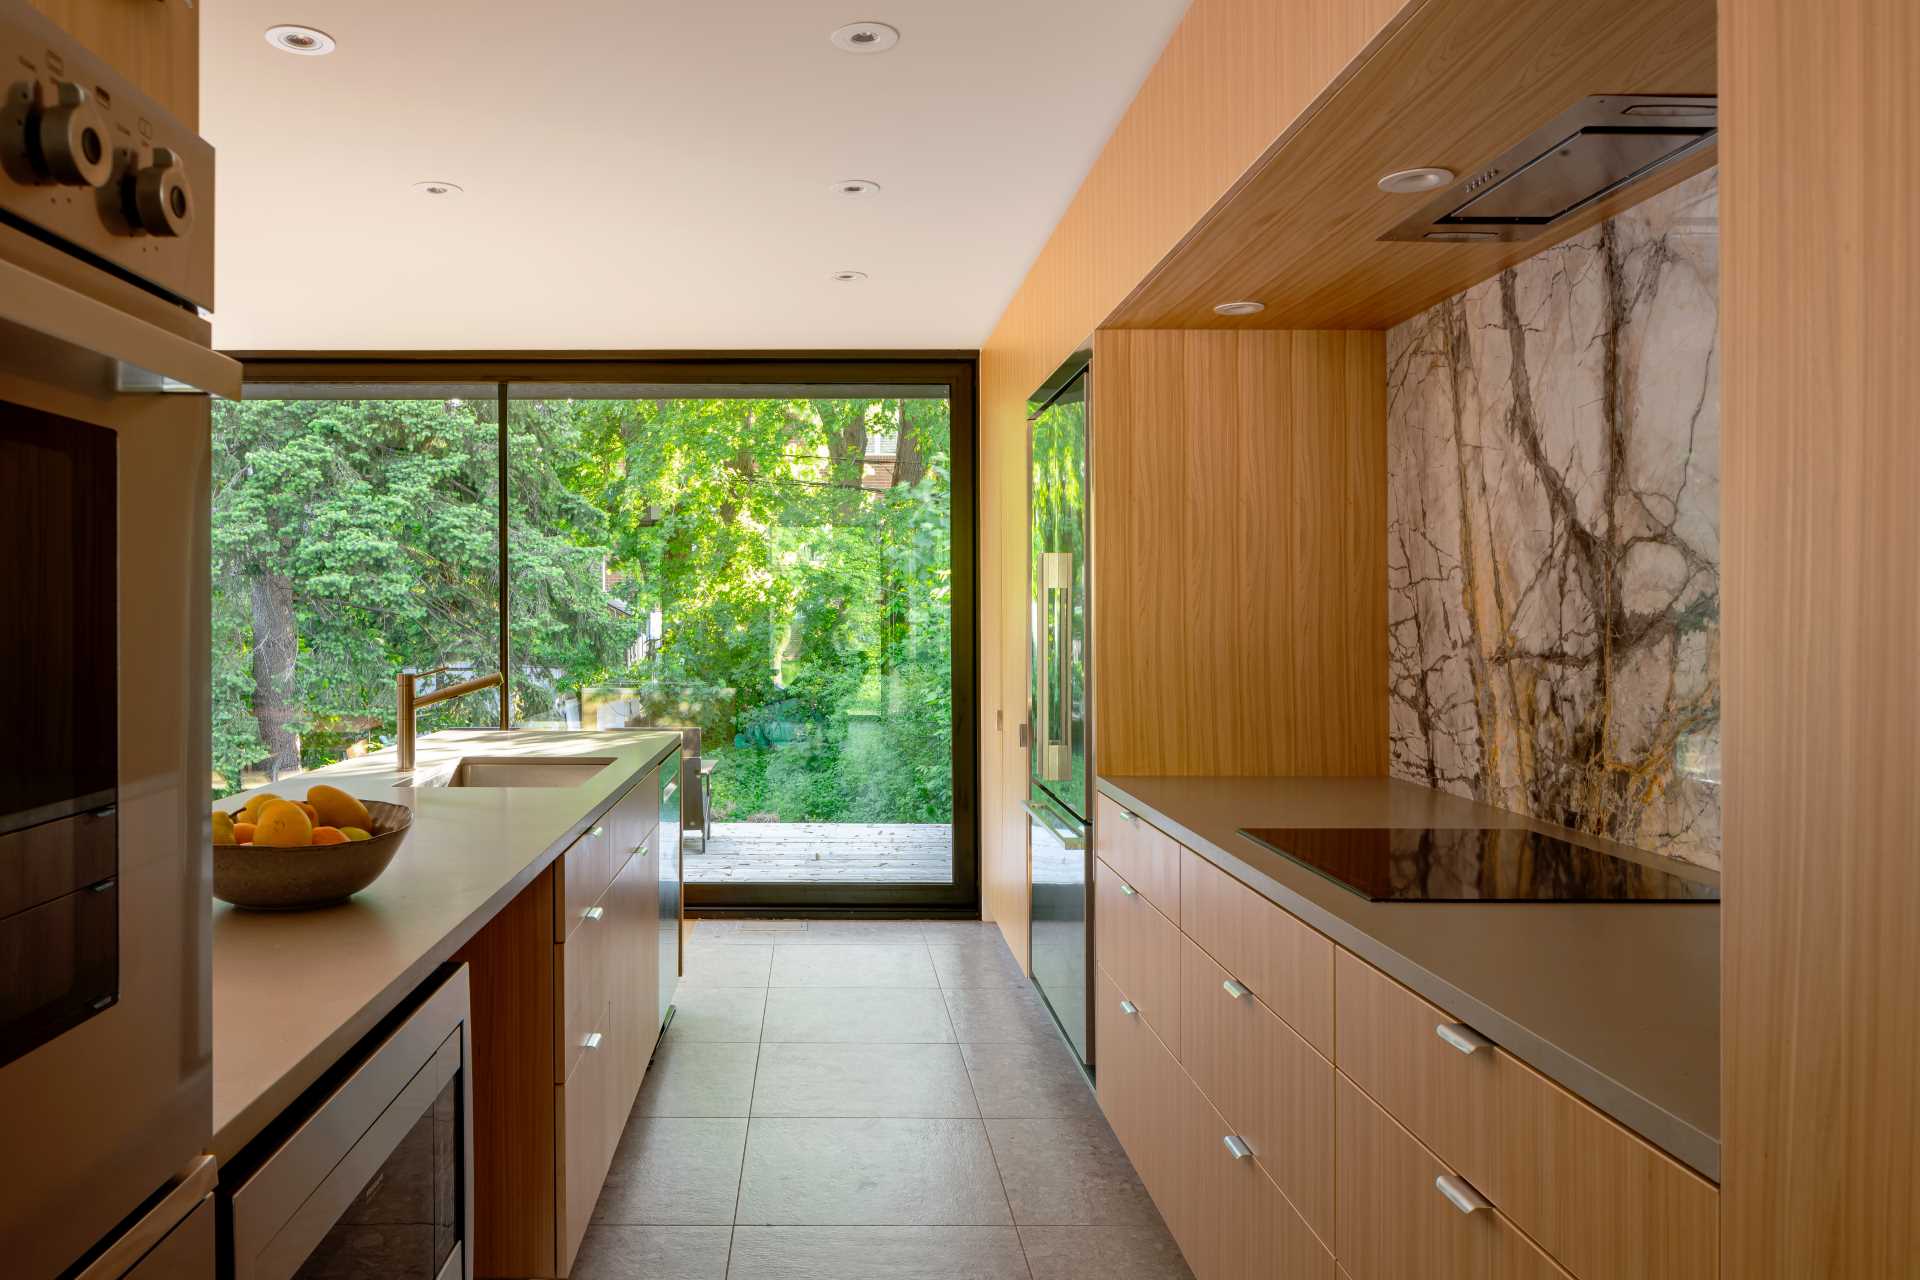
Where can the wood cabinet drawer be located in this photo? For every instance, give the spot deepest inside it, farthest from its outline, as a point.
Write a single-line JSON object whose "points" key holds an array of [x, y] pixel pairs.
{"points": [[1234, 1223], [1270, 1087], [586, 1141], [583, 970], [1140, 948], [581, 876], [633, 900], [1137, 1077], [1146, 857], [1599, 1199], [1395, 1222], [1286, 964]]}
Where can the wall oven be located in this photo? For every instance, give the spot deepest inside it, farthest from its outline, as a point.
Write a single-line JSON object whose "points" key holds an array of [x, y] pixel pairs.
{"points": [[105, 261]]}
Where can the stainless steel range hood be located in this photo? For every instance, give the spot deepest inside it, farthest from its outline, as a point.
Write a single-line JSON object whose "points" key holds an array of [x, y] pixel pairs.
{"points": [[1586, 153]]}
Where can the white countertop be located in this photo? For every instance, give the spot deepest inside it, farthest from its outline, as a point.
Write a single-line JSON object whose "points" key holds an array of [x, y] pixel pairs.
{"points": [[292, 992]]}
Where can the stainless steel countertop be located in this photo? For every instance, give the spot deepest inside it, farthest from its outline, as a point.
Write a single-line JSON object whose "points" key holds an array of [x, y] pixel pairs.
{"points": [[293, 992], [1617, 1002]]}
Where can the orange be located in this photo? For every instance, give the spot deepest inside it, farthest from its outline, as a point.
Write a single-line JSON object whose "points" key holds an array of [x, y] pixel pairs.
{"points": [[283, 824], [328, 835], [243, 832]]}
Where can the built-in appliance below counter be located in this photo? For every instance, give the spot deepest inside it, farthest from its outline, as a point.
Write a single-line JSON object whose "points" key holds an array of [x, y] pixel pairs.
{"points": [[1465, 864]]}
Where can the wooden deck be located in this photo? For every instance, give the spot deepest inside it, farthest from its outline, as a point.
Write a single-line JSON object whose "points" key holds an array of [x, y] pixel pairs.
{"points": [[864, 853]]}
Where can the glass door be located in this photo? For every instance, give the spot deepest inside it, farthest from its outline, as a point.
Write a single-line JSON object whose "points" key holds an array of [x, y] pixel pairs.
{"points": [[780, 571]]}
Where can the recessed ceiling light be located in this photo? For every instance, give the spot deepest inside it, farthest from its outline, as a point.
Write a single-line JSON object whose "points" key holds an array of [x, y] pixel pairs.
{"points": [[865, 37], [308, 42], [856, 187], [435, 187], [1407, 182], [1246, 307], [848, 277], [1461, 235]]}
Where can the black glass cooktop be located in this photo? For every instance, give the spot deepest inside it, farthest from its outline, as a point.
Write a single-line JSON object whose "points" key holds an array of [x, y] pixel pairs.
{"points": [[1449, 864]]}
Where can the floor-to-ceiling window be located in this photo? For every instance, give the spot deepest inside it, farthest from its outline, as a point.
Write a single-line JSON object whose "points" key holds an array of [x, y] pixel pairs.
{"points": [[778, 562]]}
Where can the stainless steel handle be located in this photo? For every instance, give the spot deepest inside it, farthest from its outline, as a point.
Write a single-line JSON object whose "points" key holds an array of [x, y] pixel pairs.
{"points": [[592, 1041], [1054, 646], [1233, 988], [1238, 1146], [1460, 1194], [1462, 1037], [1064, 629], [1129, 1008], [593, 913], [1129, 890], [640, 850], [1130, 816], [666, 792], [1066, 841], [597, 832]]}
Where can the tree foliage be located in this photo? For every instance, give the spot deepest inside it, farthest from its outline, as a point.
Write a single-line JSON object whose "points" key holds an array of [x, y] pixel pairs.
{"points": [[802, 593]]}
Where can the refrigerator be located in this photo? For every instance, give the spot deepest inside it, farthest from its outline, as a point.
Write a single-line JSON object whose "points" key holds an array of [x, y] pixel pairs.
{"points": [[1059, 802]]}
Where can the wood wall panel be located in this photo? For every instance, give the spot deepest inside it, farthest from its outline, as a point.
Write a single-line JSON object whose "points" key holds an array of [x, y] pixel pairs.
{"points": [[1233, 77], [1239, 552], [154, 43], [1820, 251]]}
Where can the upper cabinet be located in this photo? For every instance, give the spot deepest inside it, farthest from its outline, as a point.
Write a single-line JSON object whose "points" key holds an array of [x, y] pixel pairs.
{"points": [[154, 43]]}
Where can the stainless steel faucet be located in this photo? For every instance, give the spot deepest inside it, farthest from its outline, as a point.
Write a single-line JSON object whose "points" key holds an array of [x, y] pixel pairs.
{"points": [[411, 702]]}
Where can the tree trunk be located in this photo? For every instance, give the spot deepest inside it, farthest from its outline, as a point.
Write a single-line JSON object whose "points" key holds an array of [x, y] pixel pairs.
{"points": [[275, 645], [910, 464]]}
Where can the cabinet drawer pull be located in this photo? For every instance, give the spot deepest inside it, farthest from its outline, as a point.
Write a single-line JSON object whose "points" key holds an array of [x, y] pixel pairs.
{"points": [[1460, 1194], [666, 792], [597, 832], [1233, 988], [1129, 1008], [640, 851], [593, 913], [1237, 1146], [1462, 1037], [1130, 816], [1129, 890], [592, 1041]]}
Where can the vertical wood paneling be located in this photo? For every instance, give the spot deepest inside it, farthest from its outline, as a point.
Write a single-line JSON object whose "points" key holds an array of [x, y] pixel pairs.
{"points": [[1234, 75], [1820, 178], [1240, 652]]}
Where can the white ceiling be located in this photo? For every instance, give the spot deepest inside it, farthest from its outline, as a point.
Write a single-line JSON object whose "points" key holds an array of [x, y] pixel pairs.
{"points": [[650, 173]]}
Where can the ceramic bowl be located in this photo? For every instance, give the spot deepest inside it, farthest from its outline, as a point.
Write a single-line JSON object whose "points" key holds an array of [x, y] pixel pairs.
{"points": [[265, 878]]}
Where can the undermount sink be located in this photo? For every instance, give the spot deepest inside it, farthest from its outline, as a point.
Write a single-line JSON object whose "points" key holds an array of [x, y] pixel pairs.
{"points": [[526, 771]]}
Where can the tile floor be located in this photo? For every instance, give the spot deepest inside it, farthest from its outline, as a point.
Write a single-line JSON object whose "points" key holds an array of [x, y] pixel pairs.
{"points": [[882, 1100]]}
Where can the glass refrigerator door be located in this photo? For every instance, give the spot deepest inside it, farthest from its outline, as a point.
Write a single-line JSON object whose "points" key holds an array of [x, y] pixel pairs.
{"points": [[1058, 577]]}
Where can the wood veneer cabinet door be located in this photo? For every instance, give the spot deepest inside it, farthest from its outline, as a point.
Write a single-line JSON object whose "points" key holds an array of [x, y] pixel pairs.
{"points": [[1235, 1224], [1145, 855], [1138, 1084], [581, 1107], [634, 987], [1140, 948], [583, 968], [1286, 964], [1393, 1223], [582, 875], [154, 43], [1270, 1087]]}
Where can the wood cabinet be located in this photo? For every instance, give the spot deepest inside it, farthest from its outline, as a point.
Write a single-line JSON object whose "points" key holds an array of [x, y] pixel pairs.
{"points": [[1140, 948], [1147, 859], [154, 43], [1286, 964], [1595, 1196], [1269, 1086]]}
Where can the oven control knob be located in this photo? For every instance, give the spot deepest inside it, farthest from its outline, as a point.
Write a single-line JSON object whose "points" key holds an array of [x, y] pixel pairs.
{"points": [[162, 203], [67, 142]]}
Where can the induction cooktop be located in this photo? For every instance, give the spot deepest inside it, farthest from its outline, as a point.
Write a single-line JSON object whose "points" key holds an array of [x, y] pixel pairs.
{"points": [[1457, 864]]}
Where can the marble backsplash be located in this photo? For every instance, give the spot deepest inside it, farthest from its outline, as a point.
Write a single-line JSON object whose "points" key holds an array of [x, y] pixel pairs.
{"points": [[1553, 542]]}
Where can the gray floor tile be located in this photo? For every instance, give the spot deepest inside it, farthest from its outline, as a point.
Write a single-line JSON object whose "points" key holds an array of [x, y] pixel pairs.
{"points": [[871, 1173], [845, 1015], [1066, 1172], [801, 933], [653, 1253], [979, 964], [717, 1014], [1025, 1079], [862, 1080], [696, 1079], [1113, 1251], [877, 1253], [984, 1014], [711, 965], [959, 932], [674, 1171], [854, 965]]}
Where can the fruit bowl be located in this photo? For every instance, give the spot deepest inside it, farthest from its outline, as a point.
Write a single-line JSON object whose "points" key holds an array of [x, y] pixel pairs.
{"points": [[301, 877]]}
